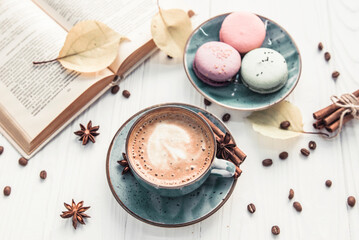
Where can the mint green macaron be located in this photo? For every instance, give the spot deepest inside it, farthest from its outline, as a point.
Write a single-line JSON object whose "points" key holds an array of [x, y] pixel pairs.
{"points": [[264, 70]]}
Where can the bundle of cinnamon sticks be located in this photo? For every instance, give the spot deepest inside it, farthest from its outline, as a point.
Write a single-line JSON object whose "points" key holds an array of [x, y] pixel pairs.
{"points": [[329, 117], [236, 156]]}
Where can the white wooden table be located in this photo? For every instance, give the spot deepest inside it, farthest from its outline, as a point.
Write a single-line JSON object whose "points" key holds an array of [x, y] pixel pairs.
{"points": [[74, 171]]}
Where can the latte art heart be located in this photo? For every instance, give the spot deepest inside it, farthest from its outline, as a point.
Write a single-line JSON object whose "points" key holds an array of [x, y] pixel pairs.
{"points": [[167, 144]]}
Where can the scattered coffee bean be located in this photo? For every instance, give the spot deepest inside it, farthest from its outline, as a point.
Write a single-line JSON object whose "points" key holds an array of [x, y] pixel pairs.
{"points": [[305, 152], [226, 117], [284, 125], [283, 155], [1, 149], [291, 194], [351, 201], [328, 183], [43, 174], [312, 145], [320, 46], [251, 208], [207, 102], [297, 206], [267, 162], [126, 93], [335, 74], [275, 230], [190, 13], [327, 56], [7, 190], [169, 57], [115, 89], [23, 161]]}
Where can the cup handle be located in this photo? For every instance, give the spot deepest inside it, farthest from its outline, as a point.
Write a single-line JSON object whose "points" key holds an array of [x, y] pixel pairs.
{"points": [[223, 168]]}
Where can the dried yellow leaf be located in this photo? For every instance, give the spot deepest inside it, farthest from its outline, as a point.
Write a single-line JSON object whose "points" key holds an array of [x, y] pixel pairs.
{"points": [[170, 30], [90, 46], [267, 122]]}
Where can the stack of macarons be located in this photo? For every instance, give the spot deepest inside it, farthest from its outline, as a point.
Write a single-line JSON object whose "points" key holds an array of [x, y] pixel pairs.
{"points": [[217, 63]]}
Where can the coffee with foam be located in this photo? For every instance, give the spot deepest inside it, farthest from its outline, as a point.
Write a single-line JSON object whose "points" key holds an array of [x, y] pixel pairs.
{"points": [[170, 148]]}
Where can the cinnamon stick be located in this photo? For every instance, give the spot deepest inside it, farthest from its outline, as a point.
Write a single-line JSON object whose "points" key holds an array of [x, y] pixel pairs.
{"points": [[318, 124], [330, 109], [232, 158], [236, 175], [334, 126], [333, 117], [239, 153], [238, 172]]}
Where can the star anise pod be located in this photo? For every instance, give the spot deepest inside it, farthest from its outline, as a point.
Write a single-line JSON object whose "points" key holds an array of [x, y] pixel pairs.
{"points": [[124, 163], [76, 211], [224, 147], [87, 133]]}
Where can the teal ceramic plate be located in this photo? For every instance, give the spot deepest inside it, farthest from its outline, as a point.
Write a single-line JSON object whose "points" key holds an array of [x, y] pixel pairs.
{"points": [[236, 95], [164, 211]]}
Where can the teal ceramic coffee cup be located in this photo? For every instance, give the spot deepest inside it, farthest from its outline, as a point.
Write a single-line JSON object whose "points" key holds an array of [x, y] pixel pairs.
{"points": [[218, 167]]}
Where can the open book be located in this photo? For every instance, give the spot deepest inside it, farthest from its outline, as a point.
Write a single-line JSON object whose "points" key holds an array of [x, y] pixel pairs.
{"points": [[37, 101]]}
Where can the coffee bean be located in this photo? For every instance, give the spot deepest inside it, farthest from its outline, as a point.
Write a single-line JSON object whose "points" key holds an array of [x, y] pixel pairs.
{"points": [[7, 190], [115, 89], [320, 46], [312, 145], [283, 155], [169, 57], [226, 117], [327, 56], [251, 208], [284, 125], [291, 194], [1, 149], [190, 13], [351, 201], [328, 183], [335, 74], [267, 162], [305, 152], [275, 230], [207, 102], [297, 206], [126, 93], [23, 161], [43, 174]]}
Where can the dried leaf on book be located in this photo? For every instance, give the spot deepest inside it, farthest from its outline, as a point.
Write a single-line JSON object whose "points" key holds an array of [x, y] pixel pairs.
{"points": [[170, 30], [267, 122], [90, 46]]}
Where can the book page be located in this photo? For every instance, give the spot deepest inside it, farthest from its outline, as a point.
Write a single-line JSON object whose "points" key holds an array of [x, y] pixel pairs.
{"points": [[128, 17], [34, 95]]}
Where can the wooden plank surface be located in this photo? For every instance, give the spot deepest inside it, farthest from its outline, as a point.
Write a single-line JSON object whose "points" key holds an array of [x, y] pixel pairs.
{"points": [[75, 171]]}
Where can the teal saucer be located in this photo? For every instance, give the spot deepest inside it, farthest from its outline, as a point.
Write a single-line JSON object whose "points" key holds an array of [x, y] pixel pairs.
{"points": [[236, 95], [152, 208]]}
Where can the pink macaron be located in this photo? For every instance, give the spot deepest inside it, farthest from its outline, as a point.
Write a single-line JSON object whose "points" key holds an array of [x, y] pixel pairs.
{"points": [[216, 63], [242, 30]]}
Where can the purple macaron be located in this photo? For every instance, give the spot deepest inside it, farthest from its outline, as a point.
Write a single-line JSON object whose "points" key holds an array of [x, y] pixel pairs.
{"points": [[216, 63]]}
